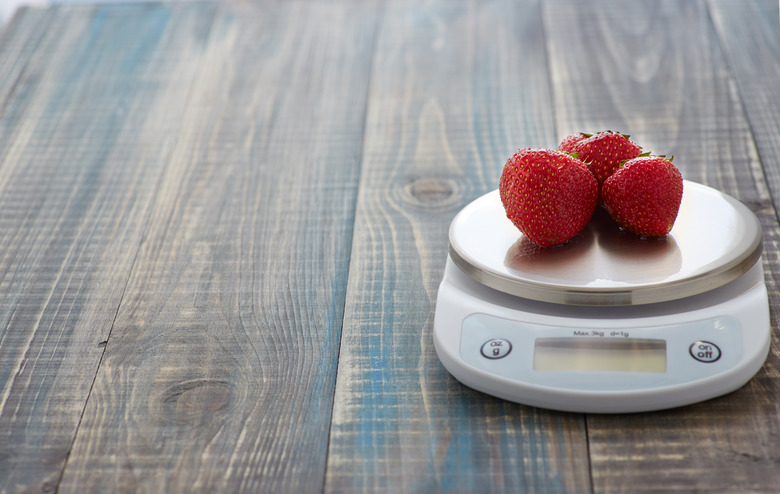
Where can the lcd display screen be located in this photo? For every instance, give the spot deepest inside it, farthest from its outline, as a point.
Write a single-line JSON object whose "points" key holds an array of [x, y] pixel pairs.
{"points": [[600, 354]]}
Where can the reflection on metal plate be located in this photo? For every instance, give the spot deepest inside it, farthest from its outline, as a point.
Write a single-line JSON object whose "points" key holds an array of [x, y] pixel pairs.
{"points": [[714, 240]]}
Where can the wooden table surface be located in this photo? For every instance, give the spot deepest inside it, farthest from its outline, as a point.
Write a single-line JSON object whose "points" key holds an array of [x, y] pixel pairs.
{"points": [[223, 225]]}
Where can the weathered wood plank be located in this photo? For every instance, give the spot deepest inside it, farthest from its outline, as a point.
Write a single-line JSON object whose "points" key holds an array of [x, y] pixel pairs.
{"points": [[91, 119], [751, 40], [18, 41], [456, 88], [220, 369], [656, 71]]}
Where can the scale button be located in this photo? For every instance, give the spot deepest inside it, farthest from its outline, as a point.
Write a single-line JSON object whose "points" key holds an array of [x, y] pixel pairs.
{"points": [[704, 351], [496, 348]]}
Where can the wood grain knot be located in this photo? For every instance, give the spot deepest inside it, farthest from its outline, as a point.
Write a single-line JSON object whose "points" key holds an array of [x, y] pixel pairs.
{"points": [[189, 401], [431, 192]]}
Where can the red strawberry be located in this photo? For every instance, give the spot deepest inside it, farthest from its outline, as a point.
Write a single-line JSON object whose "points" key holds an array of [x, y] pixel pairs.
{"points": [[644, 195], [604, 152], [568, 142], [547, 194]]}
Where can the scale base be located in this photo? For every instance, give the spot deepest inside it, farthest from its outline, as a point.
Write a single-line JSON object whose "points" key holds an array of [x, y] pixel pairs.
{"points": [[734, 318]]}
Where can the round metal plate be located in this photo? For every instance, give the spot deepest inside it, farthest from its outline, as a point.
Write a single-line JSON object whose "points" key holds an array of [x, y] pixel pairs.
{"points": [[715, 239]]}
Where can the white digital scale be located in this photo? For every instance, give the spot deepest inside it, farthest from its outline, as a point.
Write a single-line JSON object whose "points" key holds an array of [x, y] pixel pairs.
{"points": [[609, 322]]}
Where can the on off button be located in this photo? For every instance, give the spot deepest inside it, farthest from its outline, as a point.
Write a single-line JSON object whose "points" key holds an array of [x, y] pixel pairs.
{"points": [[705, 351]]}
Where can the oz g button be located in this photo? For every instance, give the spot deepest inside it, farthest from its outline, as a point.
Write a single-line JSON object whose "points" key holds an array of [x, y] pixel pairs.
{"points": [[704, 351], [496, 348]]}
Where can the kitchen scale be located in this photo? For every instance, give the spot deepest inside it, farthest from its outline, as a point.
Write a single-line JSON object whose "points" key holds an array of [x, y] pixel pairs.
{"points": [[609, 322]]}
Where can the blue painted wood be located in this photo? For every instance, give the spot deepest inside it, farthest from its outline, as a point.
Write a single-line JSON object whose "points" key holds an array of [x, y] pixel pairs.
{"points": [[178, 189], [86, 129], [456, 88], [18, 42], [220, 369], [750, 39]]}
